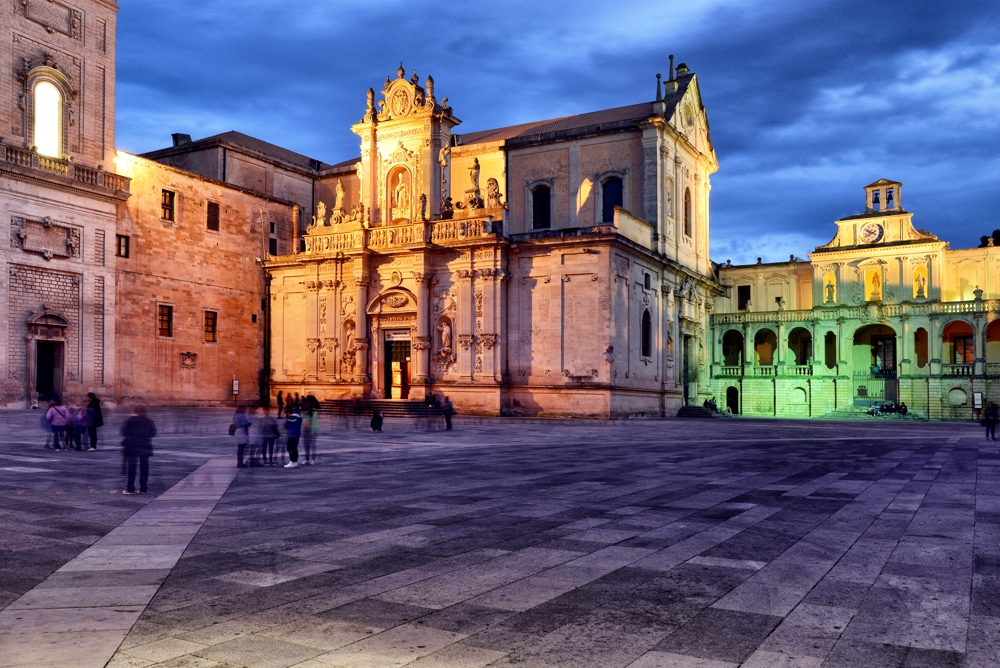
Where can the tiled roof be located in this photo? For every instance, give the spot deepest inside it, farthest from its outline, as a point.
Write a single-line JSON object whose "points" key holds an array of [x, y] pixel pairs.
{"points": [[633, 113], [253, 144]]}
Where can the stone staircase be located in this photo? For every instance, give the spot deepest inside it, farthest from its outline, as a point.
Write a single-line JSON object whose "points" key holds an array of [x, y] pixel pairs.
{"points": [[694, 412], [389, 408]]}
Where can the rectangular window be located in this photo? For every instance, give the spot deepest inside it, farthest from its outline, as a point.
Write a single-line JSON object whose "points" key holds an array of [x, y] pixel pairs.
{"points": [[272, 246], [213, 216], [274, 227], [164, 320], [743, 296], [121, 245], [167, 198], [965, 351], [211, 326]]}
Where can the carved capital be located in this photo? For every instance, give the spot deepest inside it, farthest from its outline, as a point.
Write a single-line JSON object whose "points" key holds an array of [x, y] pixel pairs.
{"points": [[312, 344], [421, 278], [488, 341], [465, 340], [361, 281], [463, 276]]}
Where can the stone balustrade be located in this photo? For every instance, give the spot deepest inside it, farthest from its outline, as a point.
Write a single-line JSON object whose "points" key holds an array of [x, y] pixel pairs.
{"points": [[20, 157], [332, 239]]}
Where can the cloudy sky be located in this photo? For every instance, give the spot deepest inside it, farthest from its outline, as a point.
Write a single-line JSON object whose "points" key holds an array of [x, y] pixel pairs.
{"points": [[809, 100]]}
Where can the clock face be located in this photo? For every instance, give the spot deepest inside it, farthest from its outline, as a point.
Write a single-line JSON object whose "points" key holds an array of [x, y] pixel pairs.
{"points": [[871, 233]]}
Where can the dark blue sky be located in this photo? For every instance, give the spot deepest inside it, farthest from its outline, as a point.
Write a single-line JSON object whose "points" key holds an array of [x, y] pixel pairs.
{"points": [[808, 100]]}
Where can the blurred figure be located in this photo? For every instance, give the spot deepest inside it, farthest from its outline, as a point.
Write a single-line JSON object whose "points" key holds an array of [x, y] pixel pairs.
{"points": [[448, 409], [95, 406], [293, 427], [256, 437], [47, 428], [240, 429], [297, 404], [268, 434], [359, 410], [84, 422], [137, 447], [310, 427], [58, 415], [376, 423], [281, 397], [288, 405], [990, 418]]}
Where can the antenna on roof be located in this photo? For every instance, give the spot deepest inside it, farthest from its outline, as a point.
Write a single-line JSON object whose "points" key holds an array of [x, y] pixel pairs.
{"points": [[671, 68], [659, 91]]}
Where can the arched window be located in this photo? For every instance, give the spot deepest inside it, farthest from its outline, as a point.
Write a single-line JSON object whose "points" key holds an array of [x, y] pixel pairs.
{"points": [[541, 208], [647, 335], [611, 196], [48, 119], [687, 211]]}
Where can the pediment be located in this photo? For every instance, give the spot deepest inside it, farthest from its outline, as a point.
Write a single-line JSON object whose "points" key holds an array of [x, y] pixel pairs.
{"points": [[394, 300]]}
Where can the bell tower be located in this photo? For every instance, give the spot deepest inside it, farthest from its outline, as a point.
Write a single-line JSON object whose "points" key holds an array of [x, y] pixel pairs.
{"points": [[884, 196], [405, 149]]}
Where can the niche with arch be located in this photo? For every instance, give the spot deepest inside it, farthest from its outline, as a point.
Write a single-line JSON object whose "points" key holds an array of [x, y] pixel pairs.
{"points": [[920, 283], [920, 346], [399, 194], [647, 334], [348, 359], [829, 288]]}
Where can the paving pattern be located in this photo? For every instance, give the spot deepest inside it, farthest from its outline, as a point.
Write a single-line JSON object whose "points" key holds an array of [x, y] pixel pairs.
{"points": [[648, 543]]}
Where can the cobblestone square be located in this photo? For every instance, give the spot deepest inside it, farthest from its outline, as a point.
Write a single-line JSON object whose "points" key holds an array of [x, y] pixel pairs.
{"points": [[643, 543]]}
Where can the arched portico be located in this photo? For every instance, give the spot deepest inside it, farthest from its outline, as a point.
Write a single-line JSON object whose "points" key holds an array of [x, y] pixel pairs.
{"points": [[732, 348], [392, 316], [874, 363]]}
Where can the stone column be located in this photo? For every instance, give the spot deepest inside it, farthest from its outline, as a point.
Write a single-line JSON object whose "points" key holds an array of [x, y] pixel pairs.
{"points": [[935, 341], [361, 329], [422, 343], [980, 345], [312, 329], [492, 281], [464, 324], [902, 349]]}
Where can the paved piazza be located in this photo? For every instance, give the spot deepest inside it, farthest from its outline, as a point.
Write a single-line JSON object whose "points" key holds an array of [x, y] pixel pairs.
{"points": [[646, 543]]}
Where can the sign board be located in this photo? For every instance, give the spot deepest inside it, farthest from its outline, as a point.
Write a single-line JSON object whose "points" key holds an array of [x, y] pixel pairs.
{"points": [[977, 400], [397, 335], [236, 387]]}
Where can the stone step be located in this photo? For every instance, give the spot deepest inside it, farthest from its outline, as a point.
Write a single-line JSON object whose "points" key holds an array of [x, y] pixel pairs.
{"points": [[388, 407], [694, 412]]}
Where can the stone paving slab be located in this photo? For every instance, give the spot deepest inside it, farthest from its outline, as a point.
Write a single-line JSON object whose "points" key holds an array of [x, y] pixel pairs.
{"points": [[566, 543]]}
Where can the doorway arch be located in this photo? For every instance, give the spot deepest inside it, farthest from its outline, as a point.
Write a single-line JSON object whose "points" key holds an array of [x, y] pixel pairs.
{"points": [[733, 400], [46, 342]]}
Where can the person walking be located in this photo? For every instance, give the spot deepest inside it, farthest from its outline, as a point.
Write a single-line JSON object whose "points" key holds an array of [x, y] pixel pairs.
{"points": [[84, 422], [449, 410], [95, 406], [240, 429], [47, 428], [293, 427], [310, 427], [281, 398], [990, 418], [268, 433], [376, 423], [58, 416], [137, 447], [256, 440]]}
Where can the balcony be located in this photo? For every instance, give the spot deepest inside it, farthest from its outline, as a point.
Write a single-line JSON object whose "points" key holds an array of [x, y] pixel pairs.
{"points": [[22, 162], [960, 369]]}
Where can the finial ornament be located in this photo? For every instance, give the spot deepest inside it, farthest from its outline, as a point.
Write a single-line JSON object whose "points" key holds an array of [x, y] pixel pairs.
{"points": [[401, 72], [430, 87], [414, 79], [671, 68], [659, 90]]}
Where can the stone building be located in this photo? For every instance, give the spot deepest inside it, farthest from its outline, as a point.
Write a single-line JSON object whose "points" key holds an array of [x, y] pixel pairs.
{"points": [[190, 291], [884, 312], [558, 267], [59, 193]]}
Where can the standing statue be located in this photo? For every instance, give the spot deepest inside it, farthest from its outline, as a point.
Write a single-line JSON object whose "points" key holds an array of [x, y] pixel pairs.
{"points": [[320, 217], [400, 196], [876, 288], [921, 284], [338, 205], [829, 292], [445, 330], [474, 173]]}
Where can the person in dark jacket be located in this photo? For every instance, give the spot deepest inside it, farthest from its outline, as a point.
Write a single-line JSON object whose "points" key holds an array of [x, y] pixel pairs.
{"points": [[95, 406], [137, 447], [376, 423], [281, 399], [241, 432], [449, 411], [293, 427], [990, 418], [268, 433]]}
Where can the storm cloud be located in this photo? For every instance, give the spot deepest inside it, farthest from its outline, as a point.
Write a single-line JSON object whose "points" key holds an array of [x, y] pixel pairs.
{"points": [[808, 100]]}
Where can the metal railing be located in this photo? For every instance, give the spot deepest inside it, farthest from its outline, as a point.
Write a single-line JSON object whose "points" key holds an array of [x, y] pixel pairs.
{"points": [[875, 388]]}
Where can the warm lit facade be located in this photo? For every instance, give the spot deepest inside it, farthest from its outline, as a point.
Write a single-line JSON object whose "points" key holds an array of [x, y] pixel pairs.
{"points": [[883, 312], [553, 268]]}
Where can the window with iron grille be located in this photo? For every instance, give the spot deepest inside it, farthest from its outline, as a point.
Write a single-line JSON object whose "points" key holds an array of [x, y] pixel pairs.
{"points": [[211, 326], [164, 320], [167, 198], [213, 216], [121, 245]]}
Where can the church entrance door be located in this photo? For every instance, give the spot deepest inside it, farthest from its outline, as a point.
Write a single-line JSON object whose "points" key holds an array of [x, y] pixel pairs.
{"points": [[397, 366], [733, 400], [48, 370]]}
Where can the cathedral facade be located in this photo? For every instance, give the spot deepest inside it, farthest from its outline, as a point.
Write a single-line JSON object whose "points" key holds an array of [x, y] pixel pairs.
{"points": [[553, 268]]}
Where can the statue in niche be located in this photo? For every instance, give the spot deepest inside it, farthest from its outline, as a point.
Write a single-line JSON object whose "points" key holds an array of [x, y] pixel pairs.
{"points": [[349, 337], [445, 329], [361, 177], [400, 198], [320, 217], [339, 202], [921, 286], [423, 206], [829, 292], [876, 288]]}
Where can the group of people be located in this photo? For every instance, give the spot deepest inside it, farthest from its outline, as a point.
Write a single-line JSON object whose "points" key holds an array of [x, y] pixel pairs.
{"points": [[65, 426], [888, 408], [259, 432]]}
